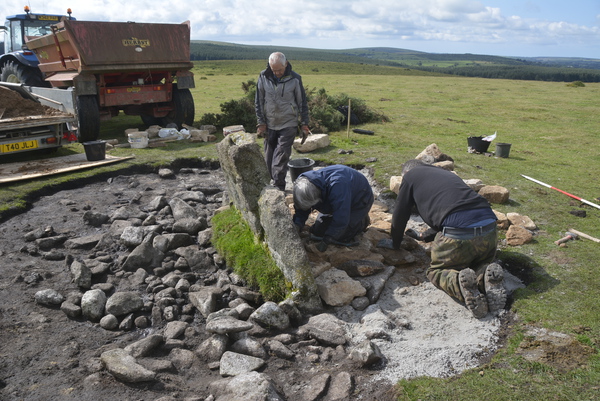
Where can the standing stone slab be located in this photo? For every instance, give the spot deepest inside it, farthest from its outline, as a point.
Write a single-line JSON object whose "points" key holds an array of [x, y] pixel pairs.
{"points": [[246, 174], [287, 249]]}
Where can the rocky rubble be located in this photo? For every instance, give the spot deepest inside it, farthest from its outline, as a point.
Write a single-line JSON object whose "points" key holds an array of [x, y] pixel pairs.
{"points": [[146, 265], [140, 261]]}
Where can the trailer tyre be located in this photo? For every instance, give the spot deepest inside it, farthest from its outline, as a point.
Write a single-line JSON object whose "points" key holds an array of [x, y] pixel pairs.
{"points": [[88, 118], [16, 73], [150, 120], [184, 112]]}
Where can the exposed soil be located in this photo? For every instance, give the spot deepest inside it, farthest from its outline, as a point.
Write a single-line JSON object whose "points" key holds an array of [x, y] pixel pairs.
{"points": [[17, 106], [562, 352]]}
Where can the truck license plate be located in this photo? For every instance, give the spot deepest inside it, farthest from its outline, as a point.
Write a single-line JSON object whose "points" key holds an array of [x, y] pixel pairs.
{"points": [[17, 146]]}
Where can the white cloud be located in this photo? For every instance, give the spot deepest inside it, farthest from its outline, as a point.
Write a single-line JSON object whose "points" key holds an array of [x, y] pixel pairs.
{"points": [[343, 24]]}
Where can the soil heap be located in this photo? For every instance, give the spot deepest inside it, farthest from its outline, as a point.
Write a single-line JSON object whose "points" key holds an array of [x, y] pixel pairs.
{"points": [[16, 105]]}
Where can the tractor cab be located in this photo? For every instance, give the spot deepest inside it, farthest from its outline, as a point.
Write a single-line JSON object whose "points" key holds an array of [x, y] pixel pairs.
{"points": [[16, 30]]}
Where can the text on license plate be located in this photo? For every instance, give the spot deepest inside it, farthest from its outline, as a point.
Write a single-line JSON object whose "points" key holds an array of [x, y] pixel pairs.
{"points": [[17, 146]]}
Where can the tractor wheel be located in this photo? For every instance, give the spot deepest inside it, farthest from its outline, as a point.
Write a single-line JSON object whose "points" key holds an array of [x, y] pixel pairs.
{"points": [[184, 108], [16, 73], [88, 118], [150, 120]]}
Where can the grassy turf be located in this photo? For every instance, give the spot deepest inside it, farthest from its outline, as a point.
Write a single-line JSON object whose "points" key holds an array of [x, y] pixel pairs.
{"points": [[249, 259], [553, 131]]}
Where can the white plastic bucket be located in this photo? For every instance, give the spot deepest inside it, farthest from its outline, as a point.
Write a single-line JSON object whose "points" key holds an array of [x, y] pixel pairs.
{"points": [[138, 140]]}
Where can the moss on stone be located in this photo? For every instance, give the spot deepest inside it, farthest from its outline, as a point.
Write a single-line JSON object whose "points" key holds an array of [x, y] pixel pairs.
{"points": [[248, 257]]}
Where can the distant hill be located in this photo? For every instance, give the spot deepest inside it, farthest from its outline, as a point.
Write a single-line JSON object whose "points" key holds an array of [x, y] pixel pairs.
{"points": [[570, 62], [474, 65], [209, 50]]}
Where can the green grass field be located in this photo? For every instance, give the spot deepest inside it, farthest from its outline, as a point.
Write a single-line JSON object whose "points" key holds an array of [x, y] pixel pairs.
{"points": [[554, 137]]}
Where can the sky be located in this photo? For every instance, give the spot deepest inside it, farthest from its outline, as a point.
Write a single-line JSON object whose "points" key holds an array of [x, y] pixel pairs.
{"points": [[518, 28]]}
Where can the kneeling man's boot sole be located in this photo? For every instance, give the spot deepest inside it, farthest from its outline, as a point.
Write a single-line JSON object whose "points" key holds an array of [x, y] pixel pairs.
{"points": [[474, 300], [494, 287]]}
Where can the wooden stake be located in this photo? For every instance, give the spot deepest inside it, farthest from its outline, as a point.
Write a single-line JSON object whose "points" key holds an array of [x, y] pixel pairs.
{"points": [[349, 112]]}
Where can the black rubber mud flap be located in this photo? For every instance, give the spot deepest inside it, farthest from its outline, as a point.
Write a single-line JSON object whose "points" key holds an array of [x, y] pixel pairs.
{"points": [[88, 118]]}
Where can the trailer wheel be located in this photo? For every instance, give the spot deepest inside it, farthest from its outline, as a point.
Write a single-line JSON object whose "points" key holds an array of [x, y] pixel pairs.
{"points": [[88, 118], [16, 73], [184, 112], [150, 120]]}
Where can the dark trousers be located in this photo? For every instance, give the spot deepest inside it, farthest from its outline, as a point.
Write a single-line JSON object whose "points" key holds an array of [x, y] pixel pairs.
{"points": [[278, 149], [358, 222]]}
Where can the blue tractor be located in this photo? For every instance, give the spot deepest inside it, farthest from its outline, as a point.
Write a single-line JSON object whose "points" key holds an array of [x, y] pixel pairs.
{"points": [[17, 63]]}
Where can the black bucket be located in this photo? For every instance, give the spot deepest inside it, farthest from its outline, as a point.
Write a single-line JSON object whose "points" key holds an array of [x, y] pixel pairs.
{"points": [[502, 149], [478, 144], [95, 150], [299, 166]]}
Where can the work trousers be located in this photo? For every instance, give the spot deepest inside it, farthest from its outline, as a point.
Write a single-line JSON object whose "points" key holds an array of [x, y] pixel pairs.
{"points": [[358, 221], [449, 256], [278, 148]]}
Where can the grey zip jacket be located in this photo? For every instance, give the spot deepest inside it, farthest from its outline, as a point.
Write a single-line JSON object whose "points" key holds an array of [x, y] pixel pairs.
{"points": [[280, 104]]}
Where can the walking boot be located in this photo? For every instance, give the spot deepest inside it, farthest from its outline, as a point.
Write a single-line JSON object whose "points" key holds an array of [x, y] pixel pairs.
{"points": [[474, 300], [494, 287]]}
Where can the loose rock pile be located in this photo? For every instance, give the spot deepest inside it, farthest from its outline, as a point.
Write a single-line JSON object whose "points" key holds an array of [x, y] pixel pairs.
{"points": [[142, 263], [148, 266]]}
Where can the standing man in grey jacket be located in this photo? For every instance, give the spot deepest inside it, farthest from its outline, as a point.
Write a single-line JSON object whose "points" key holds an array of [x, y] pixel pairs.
{"points": [[280, 105]]}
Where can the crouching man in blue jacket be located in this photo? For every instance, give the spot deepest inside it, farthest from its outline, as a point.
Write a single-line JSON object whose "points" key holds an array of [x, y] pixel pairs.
{"points": [[343, 197]]}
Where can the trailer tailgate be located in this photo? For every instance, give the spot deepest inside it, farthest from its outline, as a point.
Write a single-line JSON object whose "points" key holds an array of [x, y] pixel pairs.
{"points": [[98, 46]]}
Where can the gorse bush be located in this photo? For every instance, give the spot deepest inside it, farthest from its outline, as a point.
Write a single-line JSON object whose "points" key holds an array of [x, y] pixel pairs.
{"points": [[323, 116], [358, 107], [235, 112], [325, 111]]}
